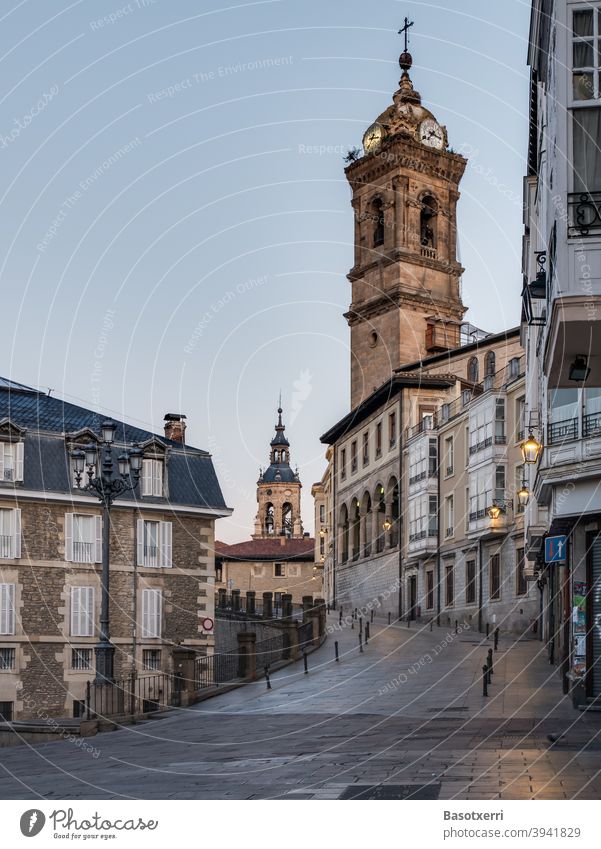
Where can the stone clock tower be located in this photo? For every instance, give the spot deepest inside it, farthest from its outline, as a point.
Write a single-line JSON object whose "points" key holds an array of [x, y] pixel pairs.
{"points": [[406, 300], [278, 492]]}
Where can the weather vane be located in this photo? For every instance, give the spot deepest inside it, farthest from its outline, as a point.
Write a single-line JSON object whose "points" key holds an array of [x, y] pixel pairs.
{"points": [[405, 30]]}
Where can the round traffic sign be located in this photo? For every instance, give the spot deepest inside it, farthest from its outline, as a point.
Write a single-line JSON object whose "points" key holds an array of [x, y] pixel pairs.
{"points": [[207, 624]]}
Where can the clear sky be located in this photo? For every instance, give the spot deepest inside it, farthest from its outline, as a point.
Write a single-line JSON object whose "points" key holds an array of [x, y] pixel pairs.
{"points": [[176, 237]]}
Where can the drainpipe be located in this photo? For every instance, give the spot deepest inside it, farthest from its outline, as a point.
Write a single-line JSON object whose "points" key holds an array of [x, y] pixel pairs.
{"points": [[438, 536], [480, 571], [134, 635], [400, 518], [335, 514]]}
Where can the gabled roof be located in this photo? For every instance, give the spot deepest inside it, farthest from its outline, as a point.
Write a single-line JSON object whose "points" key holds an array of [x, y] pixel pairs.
{"points": [[278, 548], [50, 421]]}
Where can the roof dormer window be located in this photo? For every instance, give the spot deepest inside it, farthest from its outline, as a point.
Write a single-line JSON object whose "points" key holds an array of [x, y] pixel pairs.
{"points": [[11, 461]]}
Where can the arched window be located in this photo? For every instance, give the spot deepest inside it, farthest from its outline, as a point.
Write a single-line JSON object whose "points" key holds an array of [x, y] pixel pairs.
{"points": [[378, 220], [269, 519], [367, 524], [344, 530], [428, 223], [472, 370], [489, 364], [356, 525], [380, 501], [287, 519]]}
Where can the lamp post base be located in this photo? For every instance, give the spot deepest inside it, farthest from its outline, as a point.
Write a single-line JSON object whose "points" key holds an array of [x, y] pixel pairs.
{"points": [[105, 653]]}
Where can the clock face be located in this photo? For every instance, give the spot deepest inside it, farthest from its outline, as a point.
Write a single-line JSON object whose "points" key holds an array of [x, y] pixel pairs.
{"points": [[431, 134], [373, 137]]}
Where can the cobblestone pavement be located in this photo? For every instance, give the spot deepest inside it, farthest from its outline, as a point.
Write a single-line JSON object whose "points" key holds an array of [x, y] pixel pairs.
{"points": [[406, 715]]}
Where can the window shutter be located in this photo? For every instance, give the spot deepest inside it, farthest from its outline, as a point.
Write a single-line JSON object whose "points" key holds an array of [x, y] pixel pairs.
{"points": [[157, 613], [140, 542], [157, 477], [147, 477], [75, 611], [145, 623], [151, 613], [7, 609], [16, 516], [98, 538], [19, 446], [69, 537], [2, 449], [88, 612], [166, 543]]}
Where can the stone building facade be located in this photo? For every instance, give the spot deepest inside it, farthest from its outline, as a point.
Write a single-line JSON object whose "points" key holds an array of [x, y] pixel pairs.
{"points": [[412, 360], [161, 555], [560, 331]]}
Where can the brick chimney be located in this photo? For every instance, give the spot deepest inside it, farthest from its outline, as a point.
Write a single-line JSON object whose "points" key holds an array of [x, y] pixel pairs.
{"points": [[175, 427]]}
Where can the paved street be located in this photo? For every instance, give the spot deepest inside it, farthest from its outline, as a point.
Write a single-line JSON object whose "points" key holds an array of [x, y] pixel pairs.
{"points": [[406, 714]]}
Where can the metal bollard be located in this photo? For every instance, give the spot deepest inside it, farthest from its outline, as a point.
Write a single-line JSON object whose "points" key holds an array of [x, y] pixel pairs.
{"points": [[360, 641], [366, 632], [352, 623], [336, 651], [488, 678], [409, 621], [456, 624], [496, 639], [305, 662], [389, 617], [361, 623], [372, 616], [490, 661], [487, 630], [485, 680], [431, 624], [355, 613], [267, 677], [340, 618]]}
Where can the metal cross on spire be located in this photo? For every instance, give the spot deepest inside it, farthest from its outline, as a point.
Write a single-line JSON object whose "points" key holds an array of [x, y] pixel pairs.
{"points": [[405, 30]]}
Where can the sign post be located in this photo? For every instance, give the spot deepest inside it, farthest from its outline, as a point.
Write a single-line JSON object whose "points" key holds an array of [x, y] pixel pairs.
{"points": [[556, 549]]}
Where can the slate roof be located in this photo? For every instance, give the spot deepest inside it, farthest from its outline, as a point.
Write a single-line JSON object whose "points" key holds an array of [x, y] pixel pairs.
{"points": [[278, 548], [279, 473], [190, 475]]}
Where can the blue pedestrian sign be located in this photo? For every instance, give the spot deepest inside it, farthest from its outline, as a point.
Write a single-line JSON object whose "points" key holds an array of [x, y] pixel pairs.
{"points": [[556, 549]]}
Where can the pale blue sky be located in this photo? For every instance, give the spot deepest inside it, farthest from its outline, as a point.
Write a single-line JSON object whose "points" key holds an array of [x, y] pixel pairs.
{"points": [[181, 250]]}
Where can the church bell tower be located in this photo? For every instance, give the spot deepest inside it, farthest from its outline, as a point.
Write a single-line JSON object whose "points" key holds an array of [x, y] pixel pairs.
{"points": [[278, 492], [406, 300]]}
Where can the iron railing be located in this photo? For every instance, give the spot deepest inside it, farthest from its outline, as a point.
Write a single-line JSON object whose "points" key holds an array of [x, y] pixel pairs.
{"points": [[584, 209], [562, 431], [83, 552], [215, 669], [7, 658], [6, 545], [272, 651], [591, 424], [129, 696], [232, 605]]}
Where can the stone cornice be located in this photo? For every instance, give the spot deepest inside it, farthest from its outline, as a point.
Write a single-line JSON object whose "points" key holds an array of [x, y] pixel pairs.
{"points": [[400, 152], [399, 255]]}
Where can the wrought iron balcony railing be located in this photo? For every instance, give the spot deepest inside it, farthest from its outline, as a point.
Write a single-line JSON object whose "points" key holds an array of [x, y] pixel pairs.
{"points": [[562, 431], [584, 209]]}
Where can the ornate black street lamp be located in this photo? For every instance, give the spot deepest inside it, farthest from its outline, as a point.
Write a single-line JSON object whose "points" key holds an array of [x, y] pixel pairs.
{"points": [[106, 487]]}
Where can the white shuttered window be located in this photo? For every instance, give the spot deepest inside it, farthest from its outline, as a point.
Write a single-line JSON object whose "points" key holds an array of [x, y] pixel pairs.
{"points": [[11, 461], [151, 613], [83, 538], [7, 609], [152, 477], [10, 533], [82, 611], [154, 543]]}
